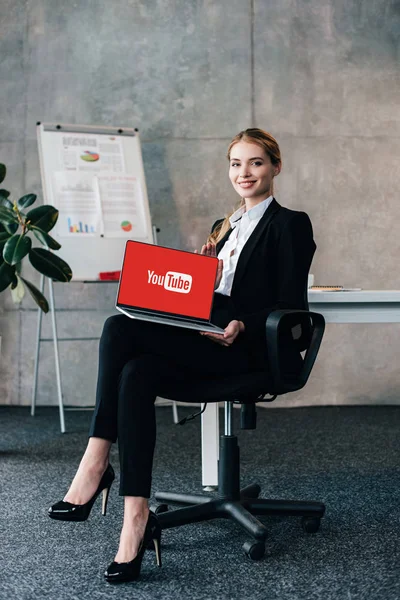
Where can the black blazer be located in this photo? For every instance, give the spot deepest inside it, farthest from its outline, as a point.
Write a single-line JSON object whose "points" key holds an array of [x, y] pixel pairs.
{"points": [[272, 269]]}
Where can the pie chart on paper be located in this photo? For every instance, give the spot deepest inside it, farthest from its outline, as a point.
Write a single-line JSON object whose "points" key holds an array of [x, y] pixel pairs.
{"points": [[89, 156], [126, 225]]}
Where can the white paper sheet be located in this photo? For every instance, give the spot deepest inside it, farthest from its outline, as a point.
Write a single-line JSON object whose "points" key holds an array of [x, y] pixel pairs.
{"points": [[122, 206]]}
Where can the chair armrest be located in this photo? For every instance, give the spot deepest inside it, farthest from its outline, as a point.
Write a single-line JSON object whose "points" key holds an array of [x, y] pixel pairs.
{"points": [[278, 324]]}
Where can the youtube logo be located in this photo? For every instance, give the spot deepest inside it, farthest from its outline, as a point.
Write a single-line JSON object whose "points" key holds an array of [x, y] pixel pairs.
{"points": [[173, 281]]}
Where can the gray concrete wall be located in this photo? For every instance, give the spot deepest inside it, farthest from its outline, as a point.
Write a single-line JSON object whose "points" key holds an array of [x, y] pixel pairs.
{"points": [[321, 75]]}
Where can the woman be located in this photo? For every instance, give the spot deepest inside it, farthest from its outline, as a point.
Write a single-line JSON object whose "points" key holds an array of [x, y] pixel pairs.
{"points": [[265, 252]]}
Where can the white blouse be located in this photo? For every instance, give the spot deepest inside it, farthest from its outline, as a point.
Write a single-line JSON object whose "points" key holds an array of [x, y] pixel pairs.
{"points": [[243, 224]]}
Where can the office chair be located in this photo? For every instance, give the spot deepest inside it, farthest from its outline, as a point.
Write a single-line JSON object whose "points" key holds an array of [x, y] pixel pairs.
{"points": [[293, 330]]}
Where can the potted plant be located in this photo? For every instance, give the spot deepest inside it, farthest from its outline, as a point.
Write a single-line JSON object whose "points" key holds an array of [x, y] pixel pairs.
{"points": [[16, 227]]}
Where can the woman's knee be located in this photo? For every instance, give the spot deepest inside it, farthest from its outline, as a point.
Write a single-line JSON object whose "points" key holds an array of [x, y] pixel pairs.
{"points": [[139, 379], [145, 365]]}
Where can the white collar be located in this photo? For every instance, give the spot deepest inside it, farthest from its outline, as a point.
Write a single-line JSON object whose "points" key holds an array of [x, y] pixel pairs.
{"points": [[254, 213]]}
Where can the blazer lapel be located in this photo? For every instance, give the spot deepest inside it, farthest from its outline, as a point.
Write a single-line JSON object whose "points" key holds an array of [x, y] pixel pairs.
{"points": [[252, 241]]}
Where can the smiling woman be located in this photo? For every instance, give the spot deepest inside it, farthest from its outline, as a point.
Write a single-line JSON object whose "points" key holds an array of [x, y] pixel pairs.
{"points": [[254, 160], [251, 172], [264, 252]]}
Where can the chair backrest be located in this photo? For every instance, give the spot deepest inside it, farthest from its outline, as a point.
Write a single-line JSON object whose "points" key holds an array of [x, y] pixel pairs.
{"points": [[283, 337], [302, 333], [305, 330]]}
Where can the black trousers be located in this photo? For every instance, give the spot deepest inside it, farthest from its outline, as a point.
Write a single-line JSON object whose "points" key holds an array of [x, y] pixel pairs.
{"points": [[134, 357]]}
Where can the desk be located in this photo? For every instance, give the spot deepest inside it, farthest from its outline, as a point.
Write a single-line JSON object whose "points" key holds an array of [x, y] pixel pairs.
{"points": [[365, 306]]}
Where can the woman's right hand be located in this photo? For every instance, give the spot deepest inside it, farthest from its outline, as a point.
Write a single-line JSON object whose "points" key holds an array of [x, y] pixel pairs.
{"points": [[209, 249]]}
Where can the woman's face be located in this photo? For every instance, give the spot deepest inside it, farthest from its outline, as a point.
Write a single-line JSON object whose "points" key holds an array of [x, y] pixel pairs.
{"points": [[251, 172]]}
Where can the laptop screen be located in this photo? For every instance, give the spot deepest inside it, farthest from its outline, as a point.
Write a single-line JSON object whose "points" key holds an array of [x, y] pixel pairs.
{"points": [[167, 280]]}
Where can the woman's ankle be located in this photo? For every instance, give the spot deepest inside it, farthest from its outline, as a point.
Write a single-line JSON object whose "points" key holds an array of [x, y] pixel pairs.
{"points": [[135, 508], [92, 466], [97, 454]]}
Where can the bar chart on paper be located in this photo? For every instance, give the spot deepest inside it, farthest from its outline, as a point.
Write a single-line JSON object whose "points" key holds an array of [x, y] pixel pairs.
{"points": [[80, 227]]}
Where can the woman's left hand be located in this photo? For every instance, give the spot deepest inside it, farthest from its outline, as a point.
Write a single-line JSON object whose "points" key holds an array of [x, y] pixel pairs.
{"points": [[230, 334]]}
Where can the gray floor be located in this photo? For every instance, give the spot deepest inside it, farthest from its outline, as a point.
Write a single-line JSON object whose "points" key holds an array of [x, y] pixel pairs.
{"points": [[348, 457]]}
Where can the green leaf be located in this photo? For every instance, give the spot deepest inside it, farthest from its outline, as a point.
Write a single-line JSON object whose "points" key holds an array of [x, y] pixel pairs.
{"points": [[3, 172], [4, 235], [4, 201], [50, 265], [37, 296], [7, 215], [7, 275], [4, 193], [26, 201], [11, 228], [16, 248], [46, 239], [44, 217]]}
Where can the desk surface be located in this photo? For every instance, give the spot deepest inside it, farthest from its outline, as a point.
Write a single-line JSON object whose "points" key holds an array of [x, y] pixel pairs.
{"points": [[365, 306], [359, 296]]}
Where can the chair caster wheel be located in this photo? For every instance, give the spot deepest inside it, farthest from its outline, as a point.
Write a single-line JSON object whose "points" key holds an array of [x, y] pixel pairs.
{"points": [[251, 491], [310, 524], [254, 550]]}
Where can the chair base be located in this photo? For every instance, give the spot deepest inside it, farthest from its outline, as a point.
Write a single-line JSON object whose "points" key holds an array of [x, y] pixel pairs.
{"points": [[241, 506]]}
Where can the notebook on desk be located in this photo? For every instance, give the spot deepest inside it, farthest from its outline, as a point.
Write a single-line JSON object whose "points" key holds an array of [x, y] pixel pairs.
{"points": [[167, 286], [332, 288]]}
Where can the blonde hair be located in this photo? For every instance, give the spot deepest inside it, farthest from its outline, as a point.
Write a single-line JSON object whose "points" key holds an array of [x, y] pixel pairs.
{"points": [[270, 146]]}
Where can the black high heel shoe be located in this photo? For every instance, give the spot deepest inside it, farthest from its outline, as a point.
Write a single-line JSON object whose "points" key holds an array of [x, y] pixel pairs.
{"points": [[129, 571], [66, 511]]}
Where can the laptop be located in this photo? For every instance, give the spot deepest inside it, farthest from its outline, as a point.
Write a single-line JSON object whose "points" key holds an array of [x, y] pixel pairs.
{"points": [[168, 286]]}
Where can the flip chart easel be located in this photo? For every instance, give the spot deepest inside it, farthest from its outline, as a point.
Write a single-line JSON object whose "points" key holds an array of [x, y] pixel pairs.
{"points": [[83, 169]]}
